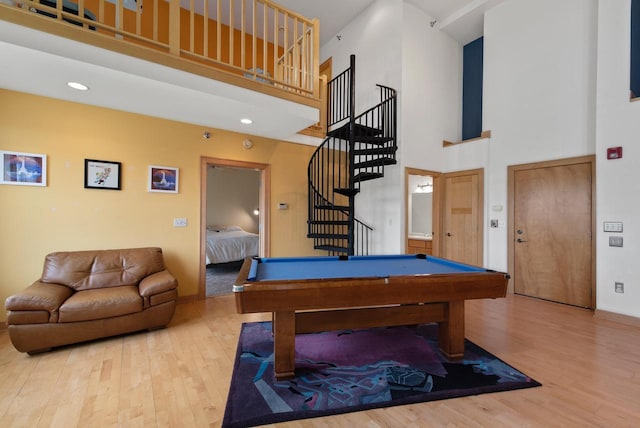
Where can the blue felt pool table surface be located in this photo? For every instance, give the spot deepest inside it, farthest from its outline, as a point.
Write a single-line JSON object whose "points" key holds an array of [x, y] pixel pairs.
{"points": [[302, 268]]}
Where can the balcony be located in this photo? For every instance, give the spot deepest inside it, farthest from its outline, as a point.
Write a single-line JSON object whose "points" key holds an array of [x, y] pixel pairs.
{"points": [[207, 62]]}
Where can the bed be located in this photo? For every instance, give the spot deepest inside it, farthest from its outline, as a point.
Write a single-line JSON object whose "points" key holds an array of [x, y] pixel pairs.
{"points": [[230, 243]]}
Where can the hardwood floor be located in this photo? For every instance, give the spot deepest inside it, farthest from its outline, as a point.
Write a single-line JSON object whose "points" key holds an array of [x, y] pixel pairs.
{"points": [[179, 376]]}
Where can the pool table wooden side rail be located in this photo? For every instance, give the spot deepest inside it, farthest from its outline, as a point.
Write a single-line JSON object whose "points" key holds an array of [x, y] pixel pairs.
{"points": [[316, 294]]}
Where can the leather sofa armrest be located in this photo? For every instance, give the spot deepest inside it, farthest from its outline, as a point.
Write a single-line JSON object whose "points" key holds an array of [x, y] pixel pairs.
{"points": [[40, 296], [157, 283]]}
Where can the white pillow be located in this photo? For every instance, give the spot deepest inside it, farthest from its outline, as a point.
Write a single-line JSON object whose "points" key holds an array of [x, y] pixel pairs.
{"points": [[232, 228]]}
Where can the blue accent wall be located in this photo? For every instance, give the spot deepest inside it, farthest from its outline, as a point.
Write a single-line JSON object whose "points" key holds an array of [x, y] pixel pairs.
{"points": [[635, 48], [472, 60]]}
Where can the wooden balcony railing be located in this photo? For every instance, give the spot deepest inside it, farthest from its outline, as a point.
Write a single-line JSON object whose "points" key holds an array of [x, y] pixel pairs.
{"points": [[255, 39]]}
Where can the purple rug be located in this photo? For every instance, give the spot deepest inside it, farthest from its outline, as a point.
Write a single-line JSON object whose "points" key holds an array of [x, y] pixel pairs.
{"points": [[351, 370]]}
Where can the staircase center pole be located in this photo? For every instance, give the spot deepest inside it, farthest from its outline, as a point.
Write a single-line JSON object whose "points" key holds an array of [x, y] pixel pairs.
{"points": [[352, 157]]}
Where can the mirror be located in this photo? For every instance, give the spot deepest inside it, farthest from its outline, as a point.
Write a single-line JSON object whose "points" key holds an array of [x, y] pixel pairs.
{"points": [[420, 198], [421, 206]]}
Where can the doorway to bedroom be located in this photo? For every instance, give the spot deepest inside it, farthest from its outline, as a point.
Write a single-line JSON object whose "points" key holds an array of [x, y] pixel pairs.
{"points": [[234, 220]]}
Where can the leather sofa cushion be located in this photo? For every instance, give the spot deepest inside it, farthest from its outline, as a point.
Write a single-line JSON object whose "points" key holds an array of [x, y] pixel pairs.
{"points": [[27, 317], [84, 270], [100, 303], [157, 283], [39, 297]]}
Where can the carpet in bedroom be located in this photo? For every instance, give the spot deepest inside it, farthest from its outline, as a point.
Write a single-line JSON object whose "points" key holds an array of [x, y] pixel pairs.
{"points": [[221, 277]]}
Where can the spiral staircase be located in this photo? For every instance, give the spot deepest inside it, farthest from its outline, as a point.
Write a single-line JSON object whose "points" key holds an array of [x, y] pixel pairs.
{"points": [[356, 149]]}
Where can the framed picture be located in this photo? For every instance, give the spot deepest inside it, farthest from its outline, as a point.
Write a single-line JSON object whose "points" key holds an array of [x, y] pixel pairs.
{"points": [[163, 179], [25, 169], [99, 174]]}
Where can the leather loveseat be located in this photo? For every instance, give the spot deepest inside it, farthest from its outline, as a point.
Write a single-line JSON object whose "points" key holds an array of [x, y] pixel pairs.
{"points": [[86, 295]]}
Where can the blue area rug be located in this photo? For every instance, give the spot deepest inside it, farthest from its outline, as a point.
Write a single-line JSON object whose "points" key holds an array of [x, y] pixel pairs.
{"points": [[351, 370]]}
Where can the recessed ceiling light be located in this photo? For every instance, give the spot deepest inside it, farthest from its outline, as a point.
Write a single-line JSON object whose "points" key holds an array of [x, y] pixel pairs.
{"points": [[246, 121], [78, 86]]}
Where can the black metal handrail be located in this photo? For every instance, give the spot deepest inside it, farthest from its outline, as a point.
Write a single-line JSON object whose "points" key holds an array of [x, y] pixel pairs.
{"points": [[341, 95], [377, 137], [362, 238]]}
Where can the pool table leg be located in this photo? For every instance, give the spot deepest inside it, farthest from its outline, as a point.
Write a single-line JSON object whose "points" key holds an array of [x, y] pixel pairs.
{"points": [[451, 331], [284, 344]]}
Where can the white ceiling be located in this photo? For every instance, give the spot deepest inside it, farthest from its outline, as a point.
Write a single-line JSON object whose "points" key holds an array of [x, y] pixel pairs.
{"points": [[461, 19], [334, 15], [40, 63]]}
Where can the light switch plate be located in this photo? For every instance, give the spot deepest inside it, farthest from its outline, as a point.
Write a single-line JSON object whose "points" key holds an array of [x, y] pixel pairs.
{"points": [[179, 222], [613, 226]]}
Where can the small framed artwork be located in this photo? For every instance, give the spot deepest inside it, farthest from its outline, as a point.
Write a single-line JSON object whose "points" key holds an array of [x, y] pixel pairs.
{"points": [[99, 174], [25, 169], [163, 179]]}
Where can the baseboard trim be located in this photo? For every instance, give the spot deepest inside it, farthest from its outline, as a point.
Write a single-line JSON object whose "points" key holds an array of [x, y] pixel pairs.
{"points": [[187, 299], [612, 316]]}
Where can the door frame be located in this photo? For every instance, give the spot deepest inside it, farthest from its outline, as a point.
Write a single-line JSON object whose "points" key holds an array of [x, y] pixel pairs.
{"points": [[481, 205], [511, 170], [264, 207], [435, 209]]}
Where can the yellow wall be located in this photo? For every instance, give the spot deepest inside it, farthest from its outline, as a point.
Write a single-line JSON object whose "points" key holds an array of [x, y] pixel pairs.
{"points": [[35, 221]]}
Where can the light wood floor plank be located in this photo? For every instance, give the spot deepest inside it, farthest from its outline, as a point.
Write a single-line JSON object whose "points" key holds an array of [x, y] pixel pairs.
{"points": [[179, 376]]}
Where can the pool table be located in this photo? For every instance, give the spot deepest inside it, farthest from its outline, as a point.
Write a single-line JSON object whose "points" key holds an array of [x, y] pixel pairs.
{"points": [[311, 294]]}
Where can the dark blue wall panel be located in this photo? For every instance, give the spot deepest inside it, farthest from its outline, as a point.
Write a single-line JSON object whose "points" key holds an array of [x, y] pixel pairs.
{"points": [[635, 47], [472, 89]]}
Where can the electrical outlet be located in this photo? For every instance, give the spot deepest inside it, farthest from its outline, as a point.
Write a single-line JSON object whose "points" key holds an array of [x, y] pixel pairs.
{"points": [[179, 222], [619, 287]]}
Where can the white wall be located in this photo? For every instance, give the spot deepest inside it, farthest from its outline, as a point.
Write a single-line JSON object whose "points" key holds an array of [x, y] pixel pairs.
{"points": [[431, 91], [556, 85], [395, 46], [232, 195], [375, 39], [539, 97], [618, 181]]}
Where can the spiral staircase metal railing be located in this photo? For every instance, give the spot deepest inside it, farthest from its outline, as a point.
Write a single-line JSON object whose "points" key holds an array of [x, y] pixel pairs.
{"points": [[356, 149]]}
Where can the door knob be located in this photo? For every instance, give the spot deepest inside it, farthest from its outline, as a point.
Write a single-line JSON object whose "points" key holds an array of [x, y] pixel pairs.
{"points": [[449, 234], [520, 240]]}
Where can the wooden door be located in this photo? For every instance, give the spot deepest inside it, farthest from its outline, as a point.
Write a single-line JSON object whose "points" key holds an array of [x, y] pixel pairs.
{"points": [[552, 233], [462, 217]]}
